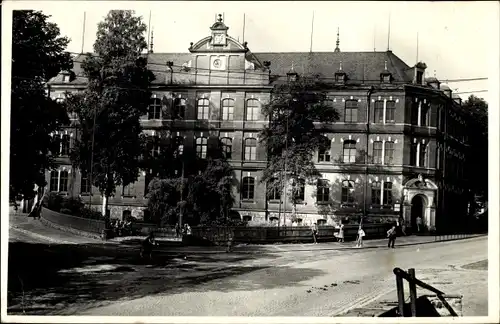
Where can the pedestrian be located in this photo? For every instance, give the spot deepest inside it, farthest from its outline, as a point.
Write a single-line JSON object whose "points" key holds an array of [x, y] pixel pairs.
{"points": [[361, 234], [391, 234], [314, 230], [177, 230], [187, 229], [147, 246], [340, 236], [403, 227], [419, 223]]}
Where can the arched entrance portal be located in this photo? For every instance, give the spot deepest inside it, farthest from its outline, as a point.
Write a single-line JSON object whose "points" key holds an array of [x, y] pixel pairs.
{"points": [[417, 209]]}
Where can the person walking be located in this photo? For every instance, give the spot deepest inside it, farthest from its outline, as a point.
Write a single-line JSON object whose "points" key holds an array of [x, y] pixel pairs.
{"points": [[177, 230], [419, 224], [361, 235], [391, 234], [403, 227], [314, 230], [341, 233]]}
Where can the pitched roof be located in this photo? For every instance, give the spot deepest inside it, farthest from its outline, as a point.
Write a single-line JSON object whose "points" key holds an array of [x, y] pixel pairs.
{"points": [[359, 66]]}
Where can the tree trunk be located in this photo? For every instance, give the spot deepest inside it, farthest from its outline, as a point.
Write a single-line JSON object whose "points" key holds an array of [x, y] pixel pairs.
{"points": [[104, 205]]}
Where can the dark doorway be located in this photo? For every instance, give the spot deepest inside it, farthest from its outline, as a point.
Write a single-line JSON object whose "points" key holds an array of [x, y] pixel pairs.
{"points": [[417, 209]]}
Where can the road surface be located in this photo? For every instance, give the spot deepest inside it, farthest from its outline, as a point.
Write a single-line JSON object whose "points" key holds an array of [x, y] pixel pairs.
{"points": [[94, 280]]}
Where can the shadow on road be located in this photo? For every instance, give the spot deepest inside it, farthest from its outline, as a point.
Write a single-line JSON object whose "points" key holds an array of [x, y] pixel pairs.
{"points": [[55, 278]]}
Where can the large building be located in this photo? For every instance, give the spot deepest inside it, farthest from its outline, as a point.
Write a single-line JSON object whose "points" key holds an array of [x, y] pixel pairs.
{"points": [[398, 150]]}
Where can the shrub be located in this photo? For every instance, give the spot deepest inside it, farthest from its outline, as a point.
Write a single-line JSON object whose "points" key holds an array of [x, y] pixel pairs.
{"points": [[87, 212], [66, 211], [73, 204], [53, 201]]}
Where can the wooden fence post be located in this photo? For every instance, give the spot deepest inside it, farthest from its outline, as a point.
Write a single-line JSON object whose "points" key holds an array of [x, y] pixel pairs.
{"points": [[413, 293], [401, 295]]}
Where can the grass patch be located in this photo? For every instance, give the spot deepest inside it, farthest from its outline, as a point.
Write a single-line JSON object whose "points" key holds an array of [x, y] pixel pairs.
{"points": [[480, 265]]}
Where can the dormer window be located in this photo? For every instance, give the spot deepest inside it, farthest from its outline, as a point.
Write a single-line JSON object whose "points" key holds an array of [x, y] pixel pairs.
{"points": [[292, 76], [340, 75], [66, 78], [385, 76], [419, 73]]}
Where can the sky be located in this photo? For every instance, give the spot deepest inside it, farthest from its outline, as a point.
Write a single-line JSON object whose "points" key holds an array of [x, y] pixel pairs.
{"points": [[454, 38]]}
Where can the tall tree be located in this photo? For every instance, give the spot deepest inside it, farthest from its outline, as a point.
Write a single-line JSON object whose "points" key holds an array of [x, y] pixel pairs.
{"points": [[292, 137], [37, 56], [477, 109], [109, 109]]}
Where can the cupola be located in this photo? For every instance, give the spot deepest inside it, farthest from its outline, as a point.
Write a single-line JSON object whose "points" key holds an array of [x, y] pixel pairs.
{"points": [[219, 32], [419, 70]]}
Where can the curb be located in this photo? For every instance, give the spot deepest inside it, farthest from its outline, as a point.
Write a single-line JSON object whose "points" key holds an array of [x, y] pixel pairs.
{"points": [[70, 230]]}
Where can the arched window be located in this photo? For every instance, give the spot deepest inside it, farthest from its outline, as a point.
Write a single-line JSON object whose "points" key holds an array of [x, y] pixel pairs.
{"points": [[250, 149], [321, 222], [349, 151], [389, 153], [247, 218], [323, 191], [203, 109], [63, 181], [227, 109], [324, 150], [65, 142], [378, 111], [247, 188], [201, 147], [377, 152], [387, 193], [274, 190], [347, 192], [227, 147], [253, 109], [180, 108], [423, 155], [299, 190], [424, 115], [178, 146], [376, 193], [351, 111], [126, 214], [154, 109], [54, 180], [390, 111]]}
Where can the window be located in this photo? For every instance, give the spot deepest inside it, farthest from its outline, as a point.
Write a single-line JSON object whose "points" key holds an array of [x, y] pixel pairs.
{"points": [[413, 154], [248, 187], [56, 145], [54, 180], [180, 108], [201, 147], [351, 111], [247, 218], [328, 103], [423, 155], [390, 111], [414, 113], [227, 109], [347, 192], [59, 100], [274, 191], [376, 193], [203, 109], [378, 110], [154, 147], [299, 190], [389, 153], [349, 151], [324, 150], [377, 152], [66, 78], [227, 147], [85, 184], [250, 149], [424, 115], [63, 181], [322, 191], [128, 190], [65, 145], [253, 108], [154, 109], [179, 145], [387, 193], [420, 76]]}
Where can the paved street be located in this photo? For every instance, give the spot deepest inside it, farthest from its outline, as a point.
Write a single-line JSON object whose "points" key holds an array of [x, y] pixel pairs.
{"points": [[92, 278]]}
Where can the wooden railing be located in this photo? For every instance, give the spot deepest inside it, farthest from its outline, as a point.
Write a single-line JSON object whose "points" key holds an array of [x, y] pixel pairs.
{"points": [[413, 283]]}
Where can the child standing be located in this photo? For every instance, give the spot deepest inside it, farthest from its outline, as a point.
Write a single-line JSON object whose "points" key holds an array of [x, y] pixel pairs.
{"points": [[361, 234]]}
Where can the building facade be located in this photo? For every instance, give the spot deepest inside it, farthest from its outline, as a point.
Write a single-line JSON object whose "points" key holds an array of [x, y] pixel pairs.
{"points": [[398, 150]]}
